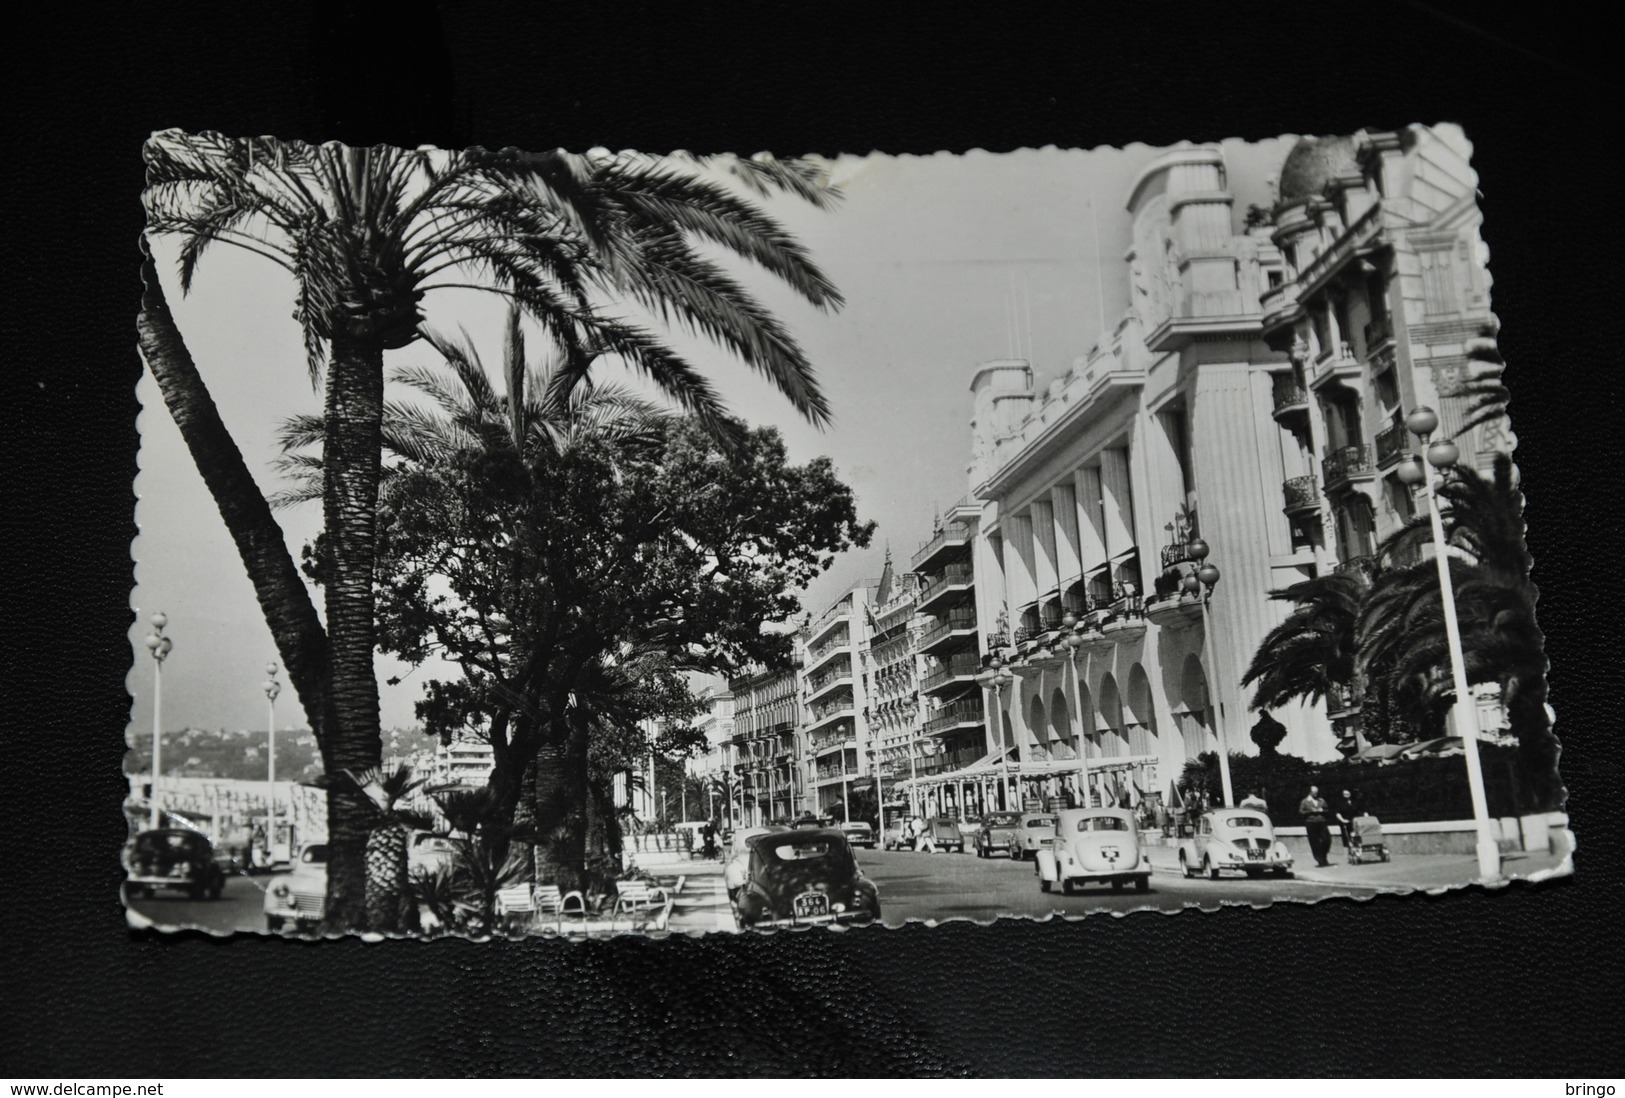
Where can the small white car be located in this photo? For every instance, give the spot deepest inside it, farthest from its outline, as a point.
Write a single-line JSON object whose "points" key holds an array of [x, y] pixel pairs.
{"points": [[429, 853], [1094, 845], [1037, 831], [299, 899], [1238, 839]]}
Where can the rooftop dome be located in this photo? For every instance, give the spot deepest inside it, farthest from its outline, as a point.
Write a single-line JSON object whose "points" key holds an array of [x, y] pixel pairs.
{"points": [[1313, 163]]}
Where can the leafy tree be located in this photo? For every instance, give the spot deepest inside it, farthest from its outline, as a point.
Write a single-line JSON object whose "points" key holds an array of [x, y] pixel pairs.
{"points": [[366, 234], [550, 566]]}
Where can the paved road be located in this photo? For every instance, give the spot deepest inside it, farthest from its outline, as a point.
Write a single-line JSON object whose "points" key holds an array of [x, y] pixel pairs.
{"points": [[238, 908], [912, 887], [962, 886]]}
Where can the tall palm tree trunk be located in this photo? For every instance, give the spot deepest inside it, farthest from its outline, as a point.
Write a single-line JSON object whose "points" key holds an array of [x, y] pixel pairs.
{"points": [[549, 806], [283, 597], [350, 462]]}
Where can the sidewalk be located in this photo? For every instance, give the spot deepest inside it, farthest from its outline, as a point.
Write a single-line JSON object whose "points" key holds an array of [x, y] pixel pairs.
{"points": [[1405, 873]]}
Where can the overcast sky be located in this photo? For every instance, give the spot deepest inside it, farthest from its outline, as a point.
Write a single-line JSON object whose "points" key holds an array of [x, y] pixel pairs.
{"points": [[945, 261]]}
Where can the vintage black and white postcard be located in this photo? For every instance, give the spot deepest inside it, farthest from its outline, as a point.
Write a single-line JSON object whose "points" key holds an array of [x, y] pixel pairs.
{"points": [[583, 543]]}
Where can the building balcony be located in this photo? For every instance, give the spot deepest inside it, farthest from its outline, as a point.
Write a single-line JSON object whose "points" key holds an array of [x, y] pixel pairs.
{"points": [[832, 775], [1337, 363], [944, 545], [1290, 400], [1345, 464], [1379, 336], [1340, 701], [1174, 608], [838, 615], [1128, 616], [953, 632], [1280, 306], [818, 657], [826, 685], [946, 762], [959, 714], [829, 714], [942, 589], [1176, 554], [1391, 444], [832, 741], [962, 667], [1302, 495]]}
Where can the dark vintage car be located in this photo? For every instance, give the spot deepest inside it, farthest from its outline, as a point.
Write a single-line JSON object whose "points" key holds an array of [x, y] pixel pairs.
{"points": [[1000, 833], [945, 834], [173, 858], [801, 877]]}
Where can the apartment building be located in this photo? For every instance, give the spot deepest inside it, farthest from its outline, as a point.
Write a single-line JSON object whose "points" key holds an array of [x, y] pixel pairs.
{"points": [[766, 745], [1384, 286], [890, 664], [838, 737]]}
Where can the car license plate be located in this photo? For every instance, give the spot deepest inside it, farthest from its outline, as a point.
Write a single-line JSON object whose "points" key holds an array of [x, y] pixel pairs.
{"points": [[1255, 855], [812, 903]]}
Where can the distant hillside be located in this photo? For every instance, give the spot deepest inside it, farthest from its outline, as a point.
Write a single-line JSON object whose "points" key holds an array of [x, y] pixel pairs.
{"points": [[221, 753]]}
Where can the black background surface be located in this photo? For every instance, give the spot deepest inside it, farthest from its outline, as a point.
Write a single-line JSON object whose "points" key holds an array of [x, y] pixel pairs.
{"points": [[1524, 981]]}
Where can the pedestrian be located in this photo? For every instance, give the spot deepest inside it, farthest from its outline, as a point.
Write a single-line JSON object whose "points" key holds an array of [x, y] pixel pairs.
{"points": [[1347, 813], [710, 834], [922, 837], [1315, 821], [1253, 800]]}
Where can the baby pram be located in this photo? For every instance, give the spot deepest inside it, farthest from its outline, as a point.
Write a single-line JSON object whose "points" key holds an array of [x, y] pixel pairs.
{"points": [[1365, 841]]}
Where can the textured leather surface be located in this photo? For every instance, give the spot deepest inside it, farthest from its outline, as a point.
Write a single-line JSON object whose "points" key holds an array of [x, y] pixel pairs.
{"points": [[1520, 982]]}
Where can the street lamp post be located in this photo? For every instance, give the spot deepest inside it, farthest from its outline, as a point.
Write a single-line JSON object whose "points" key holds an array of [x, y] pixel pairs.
{"points": [[159, 645], [1074, 642], [1443, 455], [1206, 575], [272, 689]]}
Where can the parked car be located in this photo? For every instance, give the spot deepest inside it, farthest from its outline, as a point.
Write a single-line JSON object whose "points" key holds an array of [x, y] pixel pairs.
{"points": [[173, 857], [804, 876], [299, 898], [1240, 839], [1037, 831], [859, 833], [999, 833], [945, 833], [1094, 845], [897, 836], [430, 853]]}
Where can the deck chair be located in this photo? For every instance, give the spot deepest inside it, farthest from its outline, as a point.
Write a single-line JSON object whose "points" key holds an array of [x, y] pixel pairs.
{"points": [[550, 900], [516, 907], [645, 906]]}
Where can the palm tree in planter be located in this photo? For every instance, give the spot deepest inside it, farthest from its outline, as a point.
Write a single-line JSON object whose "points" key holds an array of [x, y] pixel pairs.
{"points": [[1401, 628], [387, 842], [366, 234], [1312, 653]]}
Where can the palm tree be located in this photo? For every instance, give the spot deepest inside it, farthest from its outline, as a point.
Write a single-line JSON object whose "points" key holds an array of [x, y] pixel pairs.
{"points": [[1401, 627], [1311, 654], [1485, 386], [366, 234], [387, 840]]}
